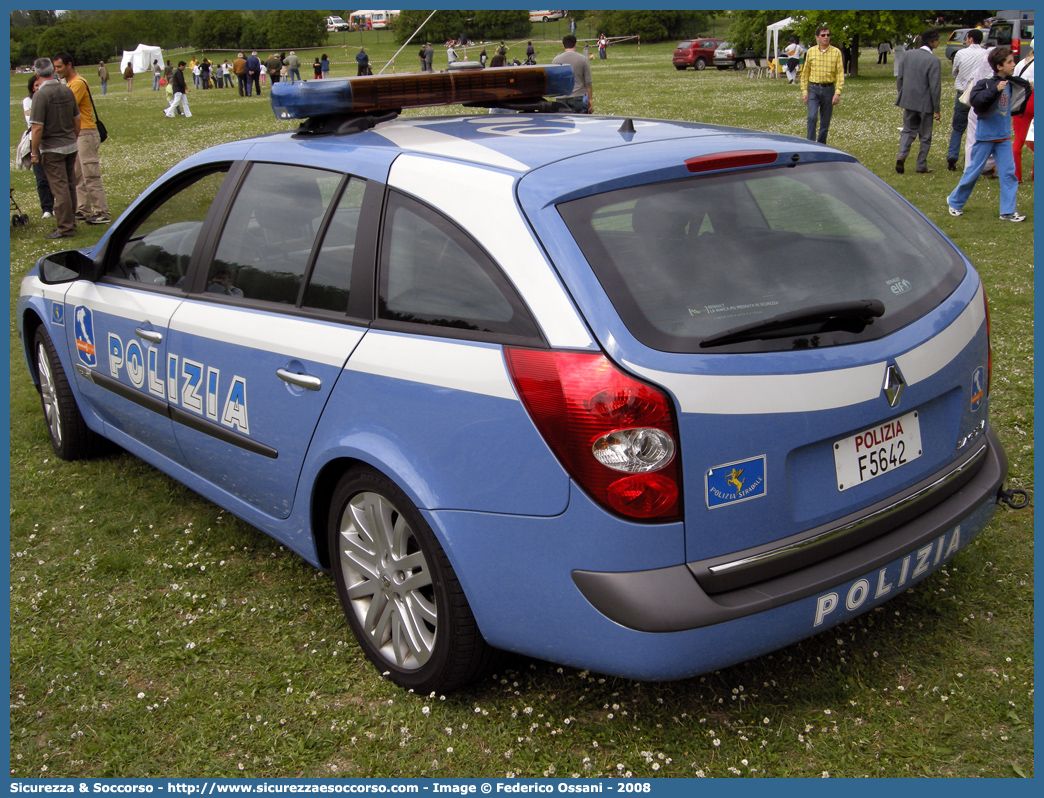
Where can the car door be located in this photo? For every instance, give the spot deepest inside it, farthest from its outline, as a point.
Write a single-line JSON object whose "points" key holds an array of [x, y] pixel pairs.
{"points": [[117, 326], [265, 333]]}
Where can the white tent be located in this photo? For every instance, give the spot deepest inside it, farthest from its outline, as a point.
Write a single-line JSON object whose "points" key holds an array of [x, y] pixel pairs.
{"points": [[772, 37], [141, 58]]}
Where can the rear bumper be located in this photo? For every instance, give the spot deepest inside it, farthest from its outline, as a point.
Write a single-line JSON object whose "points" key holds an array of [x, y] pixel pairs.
{"points": [[635, 599]]}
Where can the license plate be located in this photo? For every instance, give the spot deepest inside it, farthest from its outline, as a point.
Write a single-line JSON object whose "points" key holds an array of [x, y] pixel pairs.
{"points": [[876, 451]]}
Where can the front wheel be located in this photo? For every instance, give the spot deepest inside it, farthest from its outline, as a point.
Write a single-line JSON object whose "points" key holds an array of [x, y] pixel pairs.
{"points": [[398, 589], [70, 436], [701, 64]]}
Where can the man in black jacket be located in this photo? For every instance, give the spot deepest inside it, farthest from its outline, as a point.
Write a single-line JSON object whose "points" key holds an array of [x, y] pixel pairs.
{"points": [[177, 82]]}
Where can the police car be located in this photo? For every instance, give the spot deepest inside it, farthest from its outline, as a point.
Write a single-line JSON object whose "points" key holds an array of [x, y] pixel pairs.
{"points": [[632, 395]]}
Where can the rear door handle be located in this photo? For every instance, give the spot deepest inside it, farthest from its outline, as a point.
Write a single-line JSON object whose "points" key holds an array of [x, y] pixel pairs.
{"points": [[152, 336], [306, 381]]}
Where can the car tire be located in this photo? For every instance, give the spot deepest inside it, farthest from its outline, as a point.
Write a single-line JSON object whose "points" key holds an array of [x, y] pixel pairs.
{"points": [[740, 64], [544, 19], [398, 590], [721, 68], [700, 65], [680, 67], [70, 436]]}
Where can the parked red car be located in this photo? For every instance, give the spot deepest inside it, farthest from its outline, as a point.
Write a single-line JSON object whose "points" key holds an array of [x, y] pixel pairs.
{"points": [[695, 53]]}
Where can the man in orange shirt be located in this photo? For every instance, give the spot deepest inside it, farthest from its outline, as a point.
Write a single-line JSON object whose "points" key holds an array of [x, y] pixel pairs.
{"points": [[91, 206]]}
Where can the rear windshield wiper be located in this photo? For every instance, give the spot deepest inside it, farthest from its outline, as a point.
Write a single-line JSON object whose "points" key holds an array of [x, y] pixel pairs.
{"points": [[848, 316]]}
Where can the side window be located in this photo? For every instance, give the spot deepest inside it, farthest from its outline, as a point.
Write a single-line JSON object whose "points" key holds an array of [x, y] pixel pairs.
{"points": [[270, 231], [431, 272], [331, 276], [158, 250]]}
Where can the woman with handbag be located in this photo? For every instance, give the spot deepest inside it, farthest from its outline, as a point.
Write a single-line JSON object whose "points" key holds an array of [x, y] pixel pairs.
{"points": [[1022, 123]]}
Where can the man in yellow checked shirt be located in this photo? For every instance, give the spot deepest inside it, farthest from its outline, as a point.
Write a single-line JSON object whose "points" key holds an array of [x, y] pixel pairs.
{"points": [[821, 80]]}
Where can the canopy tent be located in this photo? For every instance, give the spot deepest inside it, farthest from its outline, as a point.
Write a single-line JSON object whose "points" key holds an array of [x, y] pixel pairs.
{"points": [[141, 58], [772, 37]]}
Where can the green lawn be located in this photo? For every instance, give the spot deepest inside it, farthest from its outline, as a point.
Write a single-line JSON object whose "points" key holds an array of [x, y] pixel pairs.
{"points": [[154, 634]]}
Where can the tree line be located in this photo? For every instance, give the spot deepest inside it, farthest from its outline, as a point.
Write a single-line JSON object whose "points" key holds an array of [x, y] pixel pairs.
{"points": [[93, 36], [490, 25], [851, 29]]}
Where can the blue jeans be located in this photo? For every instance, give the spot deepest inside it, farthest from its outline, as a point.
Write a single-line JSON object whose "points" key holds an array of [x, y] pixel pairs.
{"points": [[293, 74], [105, 87], [1005, 160], [155, 81], [820, 104], [959, 124]]}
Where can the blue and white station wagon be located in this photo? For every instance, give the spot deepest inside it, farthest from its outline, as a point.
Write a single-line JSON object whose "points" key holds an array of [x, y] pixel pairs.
{"points": [[637, 396]]}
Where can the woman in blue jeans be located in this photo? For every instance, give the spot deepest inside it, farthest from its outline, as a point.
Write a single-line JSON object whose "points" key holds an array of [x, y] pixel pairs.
{"points": [[43, 188], [991, 99]]}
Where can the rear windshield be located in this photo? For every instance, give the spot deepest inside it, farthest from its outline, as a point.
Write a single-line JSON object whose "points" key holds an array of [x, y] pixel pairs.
{"points": [[684, 46], [687, 260]]}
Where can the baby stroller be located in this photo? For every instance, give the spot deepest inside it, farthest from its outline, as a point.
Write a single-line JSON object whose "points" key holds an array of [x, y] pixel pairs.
{"points": [[18, 219], [530, 60]]}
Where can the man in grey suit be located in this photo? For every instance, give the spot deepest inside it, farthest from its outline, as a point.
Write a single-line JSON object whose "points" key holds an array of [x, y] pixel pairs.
{"points": [[919, 85]]}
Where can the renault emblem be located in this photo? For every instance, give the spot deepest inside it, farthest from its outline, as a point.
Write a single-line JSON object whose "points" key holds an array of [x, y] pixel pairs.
{"points": [[893, 385]]}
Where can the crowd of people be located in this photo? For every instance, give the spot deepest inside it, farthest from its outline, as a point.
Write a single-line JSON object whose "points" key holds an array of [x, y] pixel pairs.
{"points": [[993, 93], [64, 142]]}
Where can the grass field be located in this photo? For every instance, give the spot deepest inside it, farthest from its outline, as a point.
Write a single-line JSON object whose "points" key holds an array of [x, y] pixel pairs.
{"points": [[152, 634]]}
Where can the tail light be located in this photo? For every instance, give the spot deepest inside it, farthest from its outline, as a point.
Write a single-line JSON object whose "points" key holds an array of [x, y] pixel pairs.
{"points": [[615, 435], [989, 346], [1015, 46]]}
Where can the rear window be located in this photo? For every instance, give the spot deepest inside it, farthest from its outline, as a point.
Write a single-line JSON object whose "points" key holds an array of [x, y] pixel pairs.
{"points": [[687, 260], [684, 46]]}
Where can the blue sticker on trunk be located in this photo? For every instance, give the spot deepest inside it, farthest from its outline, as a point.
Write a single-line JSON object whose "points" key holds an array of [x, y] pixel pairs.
{"points": [[736, 482]]}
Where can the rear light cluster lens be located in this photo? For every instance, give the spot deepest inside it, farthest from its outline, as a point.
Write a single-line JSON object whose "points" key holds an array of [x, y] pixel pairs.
{"points": [[615, 435], [634, 451]]}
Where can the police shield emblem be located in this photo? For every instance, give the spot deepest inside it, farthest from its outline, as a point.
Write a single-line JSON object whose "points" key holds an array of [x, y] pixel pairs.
{"points": [[84, 326]]}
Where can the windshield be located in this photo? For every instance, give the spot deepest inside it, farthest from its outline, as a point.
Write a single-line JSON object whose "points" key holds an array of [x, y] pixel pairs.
{"points": [[686, 260]]}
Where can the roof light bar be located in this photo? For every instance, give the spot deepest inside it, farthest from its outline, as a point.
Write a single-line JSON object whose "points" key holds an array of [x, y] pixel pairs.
{"points": [[302, 100], [729, 160]]}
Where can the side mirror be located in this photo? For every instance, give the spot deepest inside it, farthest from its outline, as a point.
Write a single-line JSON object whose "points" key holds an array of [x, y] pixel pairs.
{"points": [[65, 267]]}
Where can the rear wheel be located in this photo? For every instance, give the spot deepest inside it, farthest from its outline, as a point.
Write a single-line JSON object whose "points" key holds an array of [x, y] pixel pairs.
{"points": [[398, 589], [741, 64], [70, 436], [680, 67], [701, 64]]}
